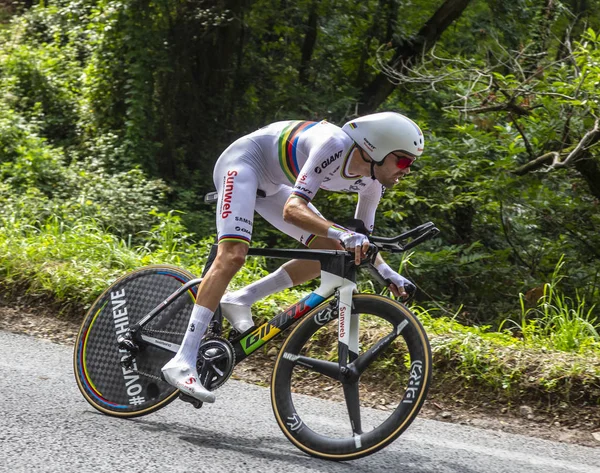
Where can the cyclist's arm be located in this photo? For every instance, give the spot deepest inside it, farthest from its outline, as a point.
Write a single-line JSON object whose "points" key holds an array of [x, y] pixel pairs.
{"points": [[310, 177], [367, 205], [398, 284], [297, 212], [365, 211]]}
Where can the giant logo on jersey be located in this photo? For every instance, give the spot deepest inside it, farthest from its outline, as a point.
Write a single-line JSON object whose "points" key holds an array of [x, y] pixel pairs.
{"points": [[328, 161]]}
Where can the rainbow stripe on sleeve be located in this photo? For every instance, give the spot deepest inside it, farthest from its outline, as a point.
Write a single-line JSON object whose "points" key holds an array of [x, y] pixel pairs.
{"points": [[234, 238], [287, 147], [301, 195], [310, 239]]}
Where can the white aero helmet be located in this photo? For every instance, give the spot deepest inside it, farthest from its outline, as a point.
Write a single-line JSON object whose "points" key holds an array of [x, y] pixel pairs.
{"points": [[381, 133]]}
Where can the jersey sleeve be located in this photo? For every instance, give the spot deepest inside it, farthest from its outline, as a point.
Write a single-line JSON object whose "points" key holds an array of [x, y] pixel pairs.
{"points": [[312, 173], [367, 205]]}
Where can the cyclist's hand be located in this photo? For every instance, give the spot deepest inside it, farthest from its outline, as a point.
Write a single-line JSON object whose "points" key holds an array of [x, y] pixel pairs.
{"points": [[352, 241], [399, 285], [356, 242]]}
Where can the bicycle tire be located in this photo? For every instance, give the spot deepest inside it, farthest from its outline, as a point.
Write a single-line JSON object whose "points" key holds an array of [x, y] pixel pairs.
{"points": [[104, 383], [416, 377]]}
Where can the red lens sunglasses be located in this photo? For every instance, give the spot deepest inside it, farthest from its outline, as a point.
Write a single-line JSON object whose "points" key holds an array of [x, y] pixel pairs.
{"points": [[403, 162]]}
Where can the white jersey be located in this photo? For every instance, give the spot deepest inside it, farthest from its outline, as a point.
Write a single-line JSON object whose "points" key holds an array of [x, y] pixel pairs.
{"points": [[313, 155], [288, 158]]}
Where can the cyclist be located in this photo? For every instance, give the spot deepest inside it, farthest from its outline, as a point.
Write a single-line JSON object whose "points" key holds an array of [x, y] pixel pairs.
{"points": [[288, 162]]}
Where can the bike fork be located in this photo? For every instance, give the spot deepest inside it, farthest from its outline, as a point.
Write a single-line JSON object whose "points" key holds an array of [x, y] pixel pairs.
{"points": [[347, 324]]}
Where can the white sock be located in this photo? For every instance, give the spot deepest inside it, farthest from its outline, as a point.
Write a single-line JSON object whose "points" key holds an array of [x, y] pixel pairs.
{"points": [[188, 351], [278, 281]]}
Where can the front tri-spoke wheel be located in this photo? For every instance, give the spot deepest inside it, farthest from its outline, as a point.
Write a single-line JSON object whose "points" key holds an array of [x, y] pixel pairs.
{"points": [[358, 407]]}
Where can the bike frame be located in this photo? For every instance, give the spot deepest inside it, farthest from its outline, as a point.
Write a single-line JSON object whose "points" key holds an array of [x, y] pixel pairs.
{"points": [[338, 277]]}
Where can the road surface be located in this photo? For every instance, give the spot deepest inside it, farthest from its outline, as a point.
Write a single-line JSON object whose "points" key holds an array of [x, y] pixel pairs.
{"points": [[46, 425]]}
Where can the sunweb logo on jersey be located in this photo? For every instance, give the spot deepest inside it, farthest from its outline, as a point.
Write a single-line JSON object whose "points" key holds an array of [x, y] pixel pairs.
{"points": [[228, 185]]}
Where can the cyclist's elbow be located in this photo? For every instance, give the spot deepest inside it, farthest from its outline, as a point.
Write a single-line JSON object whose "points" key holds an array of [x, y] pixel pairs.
{"points": [[288, 215], [290, 212]]}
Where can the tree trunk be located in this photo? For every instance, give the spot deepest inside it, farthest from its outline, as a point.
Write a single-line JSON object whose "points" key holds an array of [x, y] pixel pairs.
{"points": [[364, 55], [196, 89], [308, 46], [590, 171], [540, 33], [409, 51], [463, 224], [391, 19]]}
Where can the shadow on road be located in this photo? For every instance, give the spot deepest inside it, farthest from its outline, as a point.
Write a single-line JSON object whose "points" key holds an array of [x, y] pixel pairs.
{"points": [[279, 449]]}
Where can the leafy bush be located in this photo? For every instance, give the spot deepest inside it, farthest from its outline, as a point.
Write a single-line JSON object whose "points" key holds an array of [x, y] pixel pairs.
{"points": [[43, 85]]}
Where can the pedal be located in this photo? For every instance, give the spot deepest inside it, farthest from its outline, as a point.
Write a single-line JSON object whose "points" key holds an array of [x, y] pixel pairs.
{"points": [[192, 400], [126, 343]]}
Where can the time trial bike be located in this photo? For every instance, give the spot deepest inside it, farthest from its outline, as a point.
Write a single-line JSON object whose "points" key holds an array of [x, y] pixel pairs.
{"points": [[340, 338]]}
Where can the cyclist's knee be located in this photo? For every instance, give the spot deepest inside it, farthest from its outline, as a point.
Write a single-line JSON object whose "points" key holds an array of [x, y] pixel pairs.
{"points": [[231, 255]]}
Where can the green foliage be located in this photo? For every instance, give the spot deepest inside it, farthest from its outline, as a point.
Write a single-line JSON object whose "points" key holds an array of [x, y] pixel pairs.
{"points": [[43, 85], [505, 219], [509, 368], [36, 172], [73, 261], [557, 321]]}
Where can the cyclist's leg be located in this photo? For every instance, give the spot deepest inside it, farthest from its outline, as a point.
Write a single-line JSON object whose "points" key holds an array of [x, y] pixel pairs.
{"points": [[301, 271], [236, 184]]}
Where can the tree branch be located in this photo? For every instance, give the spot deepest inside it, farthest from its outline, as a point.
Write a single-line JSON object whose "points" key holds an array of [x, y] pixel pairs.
{"points": [[410, 50], [503, 107], [589, 139], [536, 163], [510, 243], [571, 110], [522, 133], [554, 157]]}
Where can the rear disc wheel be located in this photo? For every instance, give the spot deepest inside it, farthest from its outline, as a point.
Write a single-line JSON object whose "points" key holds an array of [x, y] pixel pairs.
{"points": [[139, 389]]}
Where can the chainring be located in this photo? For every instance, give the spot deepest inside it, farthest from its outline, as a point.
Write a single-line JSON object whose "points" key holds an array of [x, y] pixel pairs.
{"points": [[216, 360]]}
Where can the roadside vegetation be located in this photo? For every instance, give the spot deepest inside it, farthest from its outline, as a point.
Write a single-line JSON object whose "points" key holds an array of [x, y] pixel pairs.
{"points": [[112, 114]]}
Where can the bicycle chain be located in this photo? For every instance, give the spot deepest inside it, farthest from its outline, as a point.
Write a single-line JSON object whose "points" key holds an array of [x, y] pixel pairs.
{"points": [[150, 331], [165, 332], [209, 332], [151, 376]]}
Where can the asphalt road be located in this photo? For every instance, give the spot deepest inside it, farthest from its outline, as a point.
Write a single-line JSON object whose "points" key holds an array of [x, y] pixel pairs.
{"points": [[46, 425]]}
